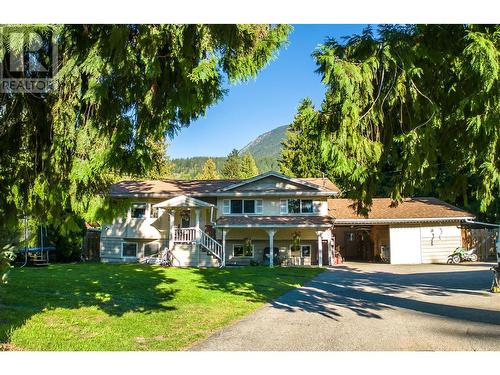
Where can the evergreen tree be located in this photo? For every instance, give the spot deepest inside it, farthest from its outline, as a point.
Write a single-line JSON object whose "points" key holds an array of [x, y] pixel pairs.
{"points": [[161, 166], [209, 171], [232, 167], [248, 167], [300, 153], [415, 109], [120, 90]]}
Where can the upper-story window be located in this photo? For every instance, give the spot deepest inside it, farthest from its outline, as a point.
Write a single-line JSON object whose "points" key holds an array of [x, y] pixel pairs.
{"points": [[242, 206], [296, 206], [138, 210]]}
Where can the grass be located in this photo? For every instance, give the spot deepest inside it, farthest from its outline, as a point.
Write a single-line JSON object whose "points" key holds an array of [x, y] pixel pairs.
{"points": [[94, 306]]}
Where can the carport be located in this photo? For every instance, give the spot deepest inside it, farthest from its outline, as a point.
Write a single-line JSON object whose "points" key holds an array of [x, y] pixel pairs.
{"points": [[417, 230], [361, 242]]}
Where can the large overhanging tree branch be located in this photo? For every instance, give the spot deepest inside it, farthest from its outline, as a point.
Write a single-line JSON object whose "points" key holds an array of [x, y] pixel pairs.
{"points": [[413, 109], [120, 90]]}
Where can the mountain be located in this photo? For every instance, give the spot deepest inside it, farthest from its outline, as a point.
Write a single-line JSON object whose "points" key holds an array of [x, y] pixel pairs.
{"points": [[267, 144], [265, 149]]}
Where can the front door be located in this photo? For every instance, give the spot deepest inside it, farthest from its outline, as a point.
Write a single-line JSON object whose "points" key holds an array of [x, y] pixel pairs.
{"points": [[185, 219]]}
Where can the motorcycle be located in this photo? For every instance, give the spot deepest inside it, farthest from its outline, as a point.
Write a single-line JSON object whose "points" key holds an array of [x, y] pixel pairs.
{"points": [[463, 255]]}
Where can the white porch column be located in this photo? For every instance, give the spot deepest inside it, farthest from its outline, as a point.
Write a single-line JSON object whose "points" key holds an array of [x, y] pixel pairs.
{"points": [[171, 217], [320, 248], [224, 232], [271, 233], [330, 252], [197, 213]]}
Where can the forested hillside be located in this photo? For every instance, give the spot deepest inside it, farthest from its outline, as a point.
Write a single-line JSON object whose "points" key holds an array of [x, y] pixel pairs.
{"points": [[265, 149]]}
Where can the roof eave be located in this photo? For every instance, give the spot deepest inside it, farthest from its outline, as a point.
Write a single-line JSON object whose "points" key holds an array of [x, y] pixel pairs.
{"points": [[400, 221], [273, 225], [228, 194]]}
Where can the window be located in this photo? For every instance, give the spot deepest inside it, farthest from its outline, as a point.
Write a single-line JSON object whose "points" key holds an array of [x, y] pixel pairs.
{"points": [[258, 206], [283, 206], [138, 211], [306, 250], [249, 206], [306, 206], [303, 251], [226, 206], [236, 206], [129, 249], [242, 206], [151, 249], [241, 251], [294, 206], [297, 206]]}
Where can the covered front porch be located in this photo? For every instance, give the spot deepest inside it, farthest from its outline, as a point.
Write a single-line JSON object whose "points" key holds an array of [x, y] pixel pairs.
{"points": [[190, 231], [274, 242]]}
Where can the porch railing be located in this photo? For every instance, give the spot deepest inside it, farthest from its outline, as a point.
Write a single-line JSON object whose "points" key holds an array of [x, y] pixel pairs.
{"points": [[185, 235], [211, 245], [196, 235]]}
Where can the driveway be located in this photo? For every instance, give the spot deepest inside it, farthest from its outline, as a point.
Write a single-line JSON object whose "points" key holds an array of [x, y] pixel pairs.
{"points": [[361, 306]]}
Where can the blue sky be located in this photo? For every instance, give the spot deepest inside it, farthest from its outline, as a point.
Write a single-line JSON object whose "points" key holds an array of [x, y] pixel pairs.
{"points": [[257, 106]]}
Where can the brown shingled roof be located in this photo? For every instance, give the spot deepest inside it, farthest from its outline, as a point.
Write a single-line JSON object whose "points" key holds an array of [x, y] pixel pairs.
{"points": [[411, 208], [323, 182], [168, 187], [172, 187], [297, 221]]}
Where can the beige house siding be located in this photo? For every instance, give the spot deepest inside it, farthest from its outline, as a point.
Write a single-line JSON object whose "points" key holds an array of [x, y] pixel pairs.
{"points": [[127, 227], [111, 248], [439, 241], [190, 255], [149, 228]]}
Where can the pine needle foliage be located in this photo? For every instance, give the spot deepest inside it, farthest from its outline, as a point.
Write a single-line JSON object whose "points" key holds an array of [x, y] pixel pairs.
{"points": [[414, 109], [209, 171], [121, 89]]}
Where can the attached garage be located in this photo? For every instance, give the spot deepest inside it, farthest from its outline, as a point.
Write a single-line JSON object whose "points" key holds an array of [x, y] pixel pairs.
{"points": [[437, 242], [424, 244], [405, 245], [420, 230]]}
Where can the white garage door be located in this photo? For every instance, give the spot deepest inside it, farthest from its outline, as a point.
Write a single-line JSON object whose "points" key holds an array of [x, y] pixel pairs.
{"points": [[438, 242], [405, 245]]}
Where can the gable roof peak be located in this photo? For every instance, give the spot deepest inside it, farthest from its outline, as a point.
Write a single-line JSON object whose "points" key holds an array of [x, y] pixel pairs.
{"points": [[272, 174]]}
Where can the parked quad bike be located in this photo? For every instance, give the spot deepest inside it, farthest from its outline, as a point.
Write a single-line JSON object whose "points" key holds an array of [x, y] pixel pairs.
{"points": [[462, 255]]}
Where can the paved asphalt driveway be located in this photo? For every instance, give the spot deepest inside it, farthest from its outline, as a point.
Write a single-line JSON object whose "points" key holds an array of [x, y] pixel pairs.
{"points": [[361, 306]]}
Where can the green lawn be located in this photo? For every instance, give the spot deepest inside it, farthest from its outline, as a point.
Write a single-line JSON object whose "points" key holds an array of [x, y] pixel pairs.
{"points": [[131, 307]]}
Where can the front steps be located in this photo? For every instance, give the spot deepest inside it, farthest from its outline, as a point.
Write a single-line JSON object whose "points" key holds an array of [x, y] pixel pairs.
{"points": [[192, 255]]}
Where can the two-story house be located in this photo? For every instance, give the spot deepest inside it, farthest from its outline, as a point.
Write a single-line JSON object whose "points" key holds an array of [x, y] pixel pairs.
{"points": [[222, 222], [273, 219]]}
